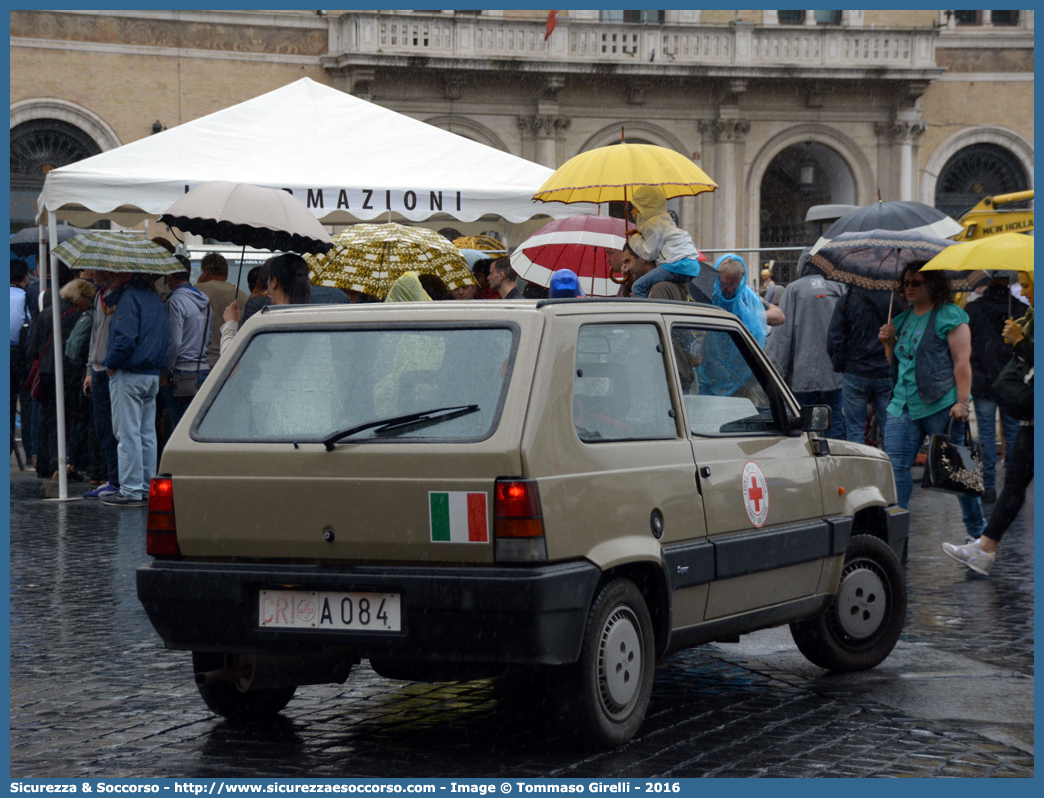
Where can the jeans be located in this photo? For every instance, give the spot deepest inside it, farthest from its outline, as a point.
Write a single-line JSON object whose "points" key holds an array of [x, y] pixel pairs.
{"points": [[176, 407], [34, 423], [102, 405], [831, 398], [986, 416], [1016, 480], [134, 422], [16, 387], [903, 438], [47, 429], [858, 391]]}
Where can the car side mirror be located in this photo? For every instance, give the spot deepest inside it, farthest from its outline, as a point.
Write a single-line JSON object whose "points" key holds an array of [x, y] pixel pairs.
{"points": [[816, 418]]}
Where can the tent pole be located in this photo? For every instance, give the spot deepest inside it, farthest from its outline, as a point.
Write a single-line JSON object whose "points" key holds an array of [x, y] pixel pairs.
{"points": [[59, 362], [41, 262]]}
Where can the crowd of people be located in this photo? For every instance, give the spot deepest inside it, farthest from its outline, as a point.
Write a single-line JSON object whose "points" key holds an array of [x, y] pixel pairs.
{"points": [[136, 351]]}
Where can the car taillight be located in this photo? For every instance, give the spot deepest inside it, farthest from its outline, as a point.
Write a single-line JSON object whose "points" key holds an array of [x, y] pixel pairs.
{"points": [[518, 521], [161, 534]]}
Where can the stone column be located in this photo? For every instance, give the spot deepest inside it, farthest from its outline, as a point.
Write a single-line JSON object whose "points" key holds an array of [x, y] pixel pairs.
{"points": [[728, 136], [887, 180], [901, 137], [542, 137], [907, 134]]}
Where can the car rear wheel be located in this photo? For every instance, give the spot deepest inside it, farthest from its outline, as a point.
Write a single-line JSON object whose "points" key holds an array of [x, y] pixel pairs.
{"points": [[863, 624], [613, 678], [227, 700]]}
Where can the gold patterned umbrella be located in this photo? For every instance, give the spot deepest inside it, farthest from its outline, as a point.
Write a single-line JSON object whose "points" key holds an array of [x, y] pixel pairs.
{"points": [[370, 257], [481, 243]]}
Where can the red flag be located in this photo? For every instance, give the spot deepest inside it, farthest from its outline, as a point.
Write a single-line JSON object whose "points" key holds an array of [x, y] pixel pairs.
{"points": [[552, 19]]}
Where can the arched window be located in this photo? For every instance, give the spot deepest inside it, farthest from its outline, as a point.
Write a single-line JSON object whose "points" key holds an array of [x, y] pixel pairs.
{"points": [[977, 171], [37, 147], [800, 176]]}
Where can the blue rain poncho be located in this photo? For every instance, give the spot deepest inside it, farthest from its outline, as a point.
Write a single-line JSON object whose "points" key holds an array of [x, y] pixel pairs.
{"points": [[745, 304]]}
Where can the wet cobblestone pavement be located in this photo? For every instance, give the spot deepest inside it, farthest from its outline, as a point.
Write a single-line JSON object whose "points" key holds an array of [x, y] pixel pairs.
{"points": [[93, 693]]}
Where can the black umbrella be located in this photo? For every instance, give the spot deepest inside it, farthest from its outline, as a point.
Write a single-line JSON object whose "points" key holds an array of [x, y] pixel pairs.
{"points": [[27, 241], [703, 284], [873, 259], [898, 215]]}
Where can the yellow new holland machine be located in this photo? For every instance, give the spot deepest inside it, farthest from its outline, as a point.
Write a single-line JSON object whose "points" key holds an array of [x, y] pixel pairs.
{"points": [[986, 218]]}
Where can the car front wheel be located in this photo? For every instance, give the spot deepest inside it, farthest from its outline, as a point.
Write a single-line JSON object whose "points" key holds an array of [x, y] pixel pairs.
{"points": [[613, 678], [863, 623]]}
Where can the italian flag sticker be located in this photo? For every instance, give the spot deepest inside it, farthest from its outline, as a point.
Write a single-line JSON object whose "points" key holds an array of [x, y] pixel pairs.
{"points": [[458, 517]]}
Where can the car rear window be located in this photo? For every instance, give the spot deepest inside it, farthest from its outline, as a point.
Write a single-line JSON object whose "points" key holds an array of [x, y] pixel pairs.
{"points": [[305, 385]]}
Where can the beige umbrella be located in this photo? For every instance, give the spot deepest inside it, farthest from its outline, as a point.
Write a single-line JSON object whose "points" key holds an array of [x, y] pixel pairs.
{"points": [[249, 216], [370, 257]]}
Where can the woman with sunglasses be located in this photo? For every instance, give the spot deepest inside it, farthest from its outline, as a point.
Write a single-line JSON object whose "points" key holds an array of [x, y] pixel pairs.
{"points": [[929, 350]]}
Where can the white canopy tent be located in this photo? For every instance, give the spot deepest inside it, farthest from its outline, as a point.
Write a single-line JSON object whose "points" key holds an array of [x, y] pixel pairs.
{"points": [[346, 159]]}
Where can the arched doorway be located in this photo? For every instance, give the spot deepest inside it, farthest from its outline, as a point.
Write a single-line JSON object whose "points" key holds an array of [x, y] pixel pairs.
{"points": [[977, 171], [37, 147], [800, 176]]}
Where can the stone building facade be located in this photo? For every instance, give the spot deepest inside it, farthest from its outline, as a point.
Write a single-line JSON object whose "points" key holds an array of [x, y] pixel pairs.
{"points": [[785, 109]]}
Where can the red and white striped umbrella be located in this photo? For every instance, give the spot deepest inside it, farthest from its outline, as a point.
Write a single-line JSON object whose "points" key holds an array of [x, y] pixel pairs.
{"points": [[577, 243]]}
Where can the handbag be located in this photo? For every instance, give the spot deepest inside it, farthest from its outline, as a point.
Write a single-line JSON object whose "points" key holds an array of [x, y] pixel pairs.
{"points": [[32, 385], [184, 385], [1013, 391], [952, 467]]}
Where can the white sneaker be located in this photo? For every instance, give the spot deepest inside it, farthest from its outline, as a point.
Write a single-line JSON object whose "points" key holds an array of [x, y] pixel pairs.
{"points": [[971, 555]]}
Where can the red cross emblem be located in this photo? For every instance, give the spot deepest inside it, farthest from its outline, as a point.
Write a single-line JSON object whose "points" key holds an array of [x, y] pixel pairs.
{"points": [[755, 494]]}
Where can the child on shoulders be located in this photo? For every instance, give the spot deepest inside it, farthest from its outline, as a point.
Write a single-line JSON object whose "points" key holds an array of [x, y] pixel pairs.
{"points": [[657, 238]]}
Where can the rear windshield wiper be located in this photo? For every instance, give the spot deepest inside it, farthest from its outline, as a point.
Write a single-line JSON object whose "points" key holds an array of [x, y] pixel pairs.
{"points": [[396, 424]]}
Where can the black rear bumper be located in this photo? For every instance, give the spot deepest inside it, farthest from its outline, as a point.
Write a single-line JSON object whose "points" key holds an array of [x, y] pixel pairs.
{"points": [[510, 615]]}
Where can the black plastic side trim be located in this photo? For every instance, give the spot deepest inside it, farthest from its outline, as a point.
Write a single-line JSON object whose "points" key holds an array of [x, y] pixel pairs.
{"points": [[749, 622], [897, 530], [752, 552], [840, 532], [689, 564]]}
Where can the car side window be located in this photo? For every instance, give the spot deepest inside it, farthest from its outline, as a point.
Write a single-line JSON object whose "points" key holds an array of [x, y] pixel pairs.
{"points": [[723, 386], [620, 386]]}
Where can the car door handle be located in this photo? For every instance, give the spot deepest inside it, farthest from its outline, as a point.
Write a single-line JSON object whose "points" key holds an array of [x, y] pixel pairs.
{"points": [[705, 471]]}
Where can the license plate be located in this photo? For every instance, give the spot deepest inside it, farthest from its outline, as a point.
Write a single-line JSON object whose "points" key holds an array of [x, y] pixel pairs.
{"points": [[317, 609]]}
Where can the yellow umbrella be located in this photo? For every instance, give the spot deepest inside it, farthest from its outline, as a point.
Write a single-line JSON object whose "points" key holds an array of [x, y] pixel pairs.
{"points": [[609, 174], [370, 257], [1003, 252]]}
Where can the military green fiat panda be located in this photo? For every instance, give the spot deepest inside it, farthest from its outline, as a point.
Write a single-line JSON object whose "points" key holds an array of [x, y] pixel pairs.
{"points": [[451, 489]]}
